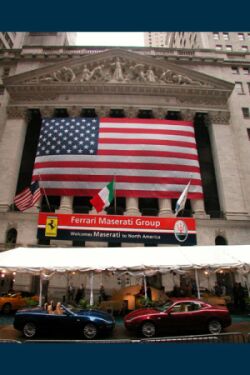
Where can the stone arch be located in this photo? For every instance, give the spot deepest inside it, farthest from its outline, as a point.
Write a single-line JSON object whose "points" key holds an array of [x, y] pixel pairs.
{"points": [[11, 236], [220, 240]]}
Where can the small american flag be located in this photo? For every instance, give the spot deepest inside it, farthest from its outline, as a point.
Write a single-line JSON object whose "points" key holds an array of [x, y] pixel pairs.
{"points": [[28, 197], [147, 157]]}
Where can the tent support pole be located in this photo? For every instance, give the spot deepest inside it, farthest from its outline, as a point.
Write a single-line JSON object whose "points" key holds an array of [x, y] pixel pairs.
{"points": [[41, 289], [197, 283], [91, 280], [145, 286], [247, 285]]}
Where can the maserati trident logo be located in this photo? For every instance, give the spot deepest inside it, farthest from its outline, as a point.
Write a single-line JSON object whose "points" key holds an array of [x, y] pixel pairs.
{"points": [[180, 231]]}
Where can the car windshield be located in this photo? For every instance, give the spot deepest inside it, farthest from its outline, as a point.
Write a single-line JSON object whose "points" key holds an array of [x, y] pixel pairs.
{"points": [[165, 306], [68, 309], [8, 295]]}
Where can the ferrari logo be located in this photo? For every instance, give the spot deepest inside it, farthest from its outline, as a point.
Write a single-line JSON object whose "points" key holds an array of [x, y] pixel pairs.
{"points": [[51, 226]]}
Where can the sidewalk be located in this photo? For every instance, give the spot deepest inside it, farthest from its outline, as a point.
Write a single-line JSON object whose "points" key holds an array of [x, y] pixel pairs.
{"points": [[8, 332]]}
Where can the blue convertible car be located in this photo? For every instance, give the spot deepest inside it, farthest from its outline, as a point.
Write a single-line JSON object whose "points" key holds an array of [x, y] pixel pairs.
{"points": [[87, 324]]}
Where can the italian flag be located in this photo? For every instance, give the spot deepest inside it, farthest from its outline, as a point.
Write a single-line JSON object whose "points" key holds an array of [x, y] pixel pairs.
{"points": [[104, 197]]}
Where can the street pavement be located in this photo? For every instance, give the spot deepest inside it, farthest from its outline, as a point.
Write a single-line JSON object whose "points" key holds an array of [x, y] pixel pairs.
{"points": [[7, 331]]}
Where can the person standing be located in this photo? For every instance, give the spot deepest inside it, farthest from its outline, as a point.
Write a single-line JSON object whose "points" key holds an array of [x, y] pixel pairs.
{"points": [[80, 294], [102, 294], [71, 292], [241, 298], [149, 293], [236, 295]]}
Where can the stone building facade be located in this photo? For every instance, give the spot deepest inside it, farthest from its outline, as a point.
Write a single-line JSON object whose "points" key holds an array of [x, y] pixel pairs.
{"points": [[208, 87]]}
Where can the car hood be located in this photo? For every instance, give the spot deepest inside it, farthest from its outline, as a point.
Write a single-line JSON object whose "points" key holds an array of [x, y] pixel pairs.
{"points": [[96, 313], [140, 312], [30, 310]]}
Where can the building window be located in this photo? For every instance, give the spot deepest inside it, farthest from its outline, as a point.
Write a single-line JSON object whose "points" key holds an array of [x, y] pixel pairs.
{"points": [[88, 112], [246, 70], [235, 69], [239, 87], [216, 36], [218, 47], [173, 115], [145, 113], [248, 85], [225, 36], [241, 36], [244, 48], [6, 72], [248, 133], [245, 112], [1, 90], [117, 113], [229, 48]]}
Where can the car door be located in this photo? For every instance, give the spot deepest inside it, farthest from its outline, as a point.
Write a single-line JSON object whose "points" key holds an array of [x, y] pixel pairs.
{"points": [[66, 323], [170, 320], [17, 301], [178, 317], [197, 317], [187, 317], [59, 323]]}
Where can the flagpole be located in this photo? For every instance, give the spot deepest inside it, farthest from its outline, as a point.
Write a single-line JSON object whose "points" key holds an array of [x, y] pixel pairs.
{"points": [[180, 204], [115, 194], [47, 201]]}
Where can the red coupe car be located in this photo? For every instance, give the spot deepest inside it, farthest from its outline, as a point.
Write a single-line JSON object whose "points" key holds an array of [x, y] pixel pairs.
{"points": [[178, 315]]}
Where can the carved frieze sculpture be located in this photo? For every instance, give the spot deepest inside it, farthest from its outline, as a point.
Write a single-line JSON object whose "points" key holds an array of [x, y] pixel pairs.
{"points": [[117, 70]]}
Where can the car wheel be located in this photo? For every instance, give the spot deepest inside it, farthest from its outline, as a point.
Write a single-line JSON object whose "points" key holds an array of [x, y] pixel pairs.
{"points": [[214, 326], [29, 330], [89, 331], [6, 309], [148, 329]]}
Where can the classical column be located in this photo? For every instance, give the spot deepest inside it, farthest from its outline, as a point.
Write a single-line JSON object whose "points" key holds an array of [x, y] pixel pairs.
{"points": [[131, 112], [198, 209], [231, 188], [132, 208], [160, 113], [65, 208], [11, 148], [46, 111], [66, 205], [196, 204], [102, 111], [96, 243], [165, 208], [187, 115], [74, 111]]}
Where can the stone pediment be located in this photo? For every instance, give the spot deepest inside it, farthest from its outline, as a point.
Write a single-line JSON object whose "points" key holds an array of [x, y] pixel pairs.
{"points": [[116, 71]]}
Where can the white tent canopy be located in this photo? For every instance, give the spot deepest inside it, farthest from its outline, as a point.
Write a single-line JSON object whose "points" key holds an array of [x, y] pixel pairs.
{"points": [[163, 259]]}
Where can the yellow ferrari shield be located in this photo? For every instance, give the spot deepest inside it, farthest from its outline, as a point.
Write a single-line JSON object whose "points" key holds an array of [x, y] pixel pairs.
{"points": [[51, 226]]}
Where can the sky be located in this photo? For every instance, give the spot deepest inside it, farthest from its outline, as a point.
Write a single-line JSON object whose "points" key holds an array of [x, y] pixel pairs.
{"points": [[114, 39]]}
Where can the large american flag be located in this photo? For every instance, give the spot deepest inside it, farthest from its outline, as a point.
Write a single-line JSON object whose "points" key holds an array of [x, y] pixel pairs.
{"points": [[146, 157]]}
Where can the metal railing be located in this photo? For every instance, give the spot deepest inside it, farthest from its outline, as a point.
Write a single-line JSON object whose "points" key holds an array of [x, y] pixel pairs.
{"points": [[223, 338], [5, 341]]}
